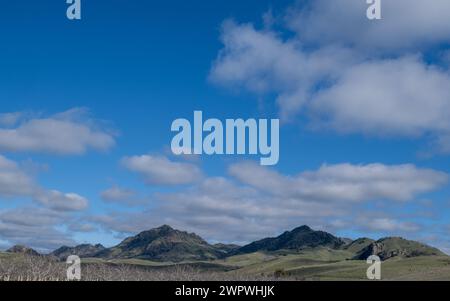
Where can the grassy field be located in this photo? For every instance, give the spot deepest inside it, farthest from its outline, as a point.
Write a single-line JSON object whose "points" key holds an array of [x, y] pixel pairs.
{"points": [[410, 269], [320, 265], [316, 265], [334, 266]]}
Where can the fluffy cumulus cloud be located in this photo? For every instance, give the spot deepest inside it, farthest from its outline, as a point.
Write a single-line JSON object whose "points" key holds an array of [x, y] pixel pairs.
{"points": [[35, 227], [15, 182], [61, 201], [68, 133], [162, 171], [345, 72], [31, 216], [406, 24], [262, 62], [346, 182], [38, 224], [391, 97]]}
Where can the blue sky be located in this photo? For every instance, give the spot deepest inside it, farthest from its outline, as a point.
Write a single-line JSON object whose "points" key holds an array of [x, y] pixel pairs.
{"points": [[87, 107]]}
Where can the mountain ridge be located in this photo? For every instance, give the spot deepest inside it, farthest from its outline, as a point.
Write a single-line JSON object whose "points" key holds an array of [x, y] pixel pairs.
{"points": [[19, 249], [83, 250], [299, 238], [390, 247], [163, 244], [166, 244]]}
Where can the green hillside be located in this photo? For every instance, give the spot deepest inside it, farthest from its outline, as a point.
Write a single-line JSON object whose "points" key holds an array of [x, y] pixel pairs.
{"points": [[397, 247], [300, 238], [163, 244]]}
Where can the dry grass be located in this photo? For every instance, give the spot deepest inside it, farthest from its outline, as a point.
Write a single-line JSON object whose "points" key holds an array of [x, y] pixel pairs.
{"points": [[14, 267], [29, 268]]}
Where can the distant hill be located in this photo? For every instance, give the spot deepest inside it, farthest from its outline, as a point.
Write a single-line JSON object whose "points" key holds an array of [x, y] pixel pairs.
{"points": [[83, 251], [397, 247], [346, 241], [164, 244], [358, 245], [23, 250], [226, 248], [300, 238]]}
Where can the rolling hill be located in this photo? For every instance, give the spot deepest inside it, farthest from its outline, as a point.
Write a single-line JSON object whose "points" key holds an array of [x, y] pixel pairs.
{"points": [[303, 244], [83, 251], [390, 247], [358, 245], [163, 244], [300, 238], [23, 250]]}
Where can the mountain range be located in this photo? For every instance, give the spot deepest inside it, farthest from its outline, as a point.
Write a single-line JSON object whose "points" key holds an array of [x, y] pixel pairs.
{"points": [[165, 244]]}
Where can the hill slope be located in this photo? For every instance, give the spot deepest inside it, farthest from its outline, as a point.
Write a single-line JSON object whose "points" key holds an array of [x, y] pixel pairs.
{"points": [[300, 238], [83, 251], [358, 245], [390, 247], [163, 244], [23, 250]]}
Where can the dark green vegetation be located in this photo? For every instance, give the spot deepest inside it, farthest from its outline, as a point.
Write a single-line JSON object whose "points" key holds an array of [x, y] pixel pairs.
{"points": [[82, 251], [23, 250], [300, 254], [396, 247], [297, 239], [164, 244]]}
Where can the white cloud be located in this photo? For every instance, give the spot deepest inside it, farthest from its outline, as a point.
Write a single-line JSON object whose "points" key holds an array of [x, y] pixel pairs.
{"points": [[344, 182], [31, 216], [405, 25], [344, 86], [388, 225], [391, 97], [262, 62], [14, 182], [160, 170], [59, 201], [10, 119], [67, 133], [218, 201], [34, 227]]}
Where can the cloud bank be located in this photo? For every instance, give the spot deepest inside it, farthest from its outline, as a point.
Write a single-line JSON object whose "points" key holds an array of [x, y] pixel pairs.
{"points": [[344, 72]]}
